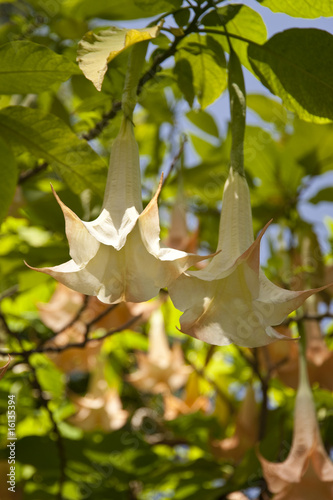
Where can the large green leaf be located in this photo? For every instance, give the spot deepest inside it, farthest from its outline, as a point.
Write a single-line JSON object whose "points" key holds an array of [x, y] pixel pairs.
{"points": [[201, 69], [299, 8], [8, 176], [242, 21], [49, 138], [117, 9], [26, 67], [270, 111], [296, 65]]}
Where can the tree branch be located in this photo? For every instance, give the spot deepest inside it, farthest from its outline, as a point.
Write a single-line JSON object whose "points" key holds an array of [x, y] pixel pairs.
{"points": [[74, 345]]}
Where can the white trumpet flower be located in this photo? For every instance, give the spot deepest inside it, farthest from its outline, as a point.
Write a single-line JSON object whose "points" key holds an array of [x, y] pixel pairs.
{"points": [[231, 300], [118, 257]]}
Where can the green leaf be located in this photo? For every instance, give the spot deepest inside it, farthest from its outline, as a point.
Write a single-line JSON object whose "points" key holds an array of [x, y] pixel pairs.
{"points": [[184, 75], [97, 50], [117, 9], [182, 17], [297, 66], [8, 177], [299, 8], [312, 146], [270, 111], [47, 137], [26, 67], [206, 67], [323, 195], [204, 121], [242, 21]]}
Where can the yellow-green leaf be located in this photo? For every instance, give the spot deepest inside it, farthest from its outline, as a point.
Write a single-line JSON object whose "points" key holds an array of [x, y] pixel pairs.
{"points": [[49, 138], [201, 69], [8, 177], [27, 67], [96, 50], [299, 8]]}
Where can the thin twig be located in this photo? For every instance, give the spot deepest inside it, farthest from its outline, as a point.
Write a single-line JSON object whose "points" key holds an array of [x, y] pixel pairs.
{"points": [[100, 126], [231, 35], [98, 318], [24, 176], [307, 317], [176, 159], [70, 323], [74, 345], [9, 292]]}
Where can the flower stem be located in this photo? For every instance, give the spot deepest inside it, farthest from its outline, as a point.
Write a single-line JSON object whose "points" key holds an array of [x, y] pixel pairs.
{"points": [[303, 371], [135, 64], [237, 97]]}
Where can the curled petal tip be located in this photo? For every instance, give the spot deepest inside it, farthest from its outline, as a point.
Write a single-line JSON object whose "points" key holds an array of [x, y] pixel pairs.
{"points": [[30, 267], [154, 199], [54, 192], [264, 229]]}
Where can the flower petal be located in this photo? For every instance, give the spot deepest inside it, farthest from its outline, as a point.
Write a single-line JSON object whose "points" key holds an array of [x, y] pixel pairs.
{"points": [[82, 245], [71, 275], [235, 233], [275, 303], [221, 312], [172, 262]]}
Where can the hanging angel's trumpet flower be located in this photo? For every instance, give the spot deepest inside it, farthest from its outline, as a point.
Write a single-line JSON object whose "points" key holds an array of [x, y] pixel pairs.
{"points": [[162, 369], [307, 473], [118, 257], [231, 300]]}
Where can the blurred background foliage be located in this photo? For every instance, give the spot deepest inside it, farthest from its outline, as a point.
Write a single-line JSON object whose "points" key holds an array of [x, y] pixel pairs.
{"points": [[103, 419]]}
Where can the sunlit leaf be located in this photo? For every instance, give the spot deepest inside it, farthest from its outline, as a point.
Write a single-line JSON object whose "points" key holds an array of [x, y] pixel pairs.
{"points": [[26, 67], [270, 111], [47, 137], [299, 8], [201, 58], [8, 175]]}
